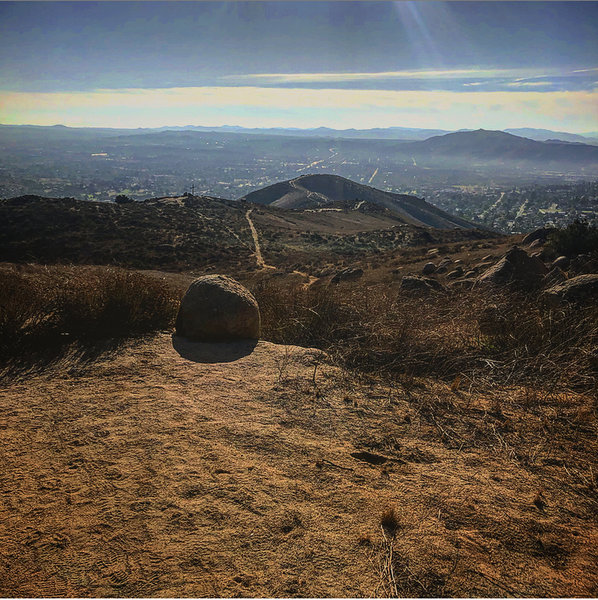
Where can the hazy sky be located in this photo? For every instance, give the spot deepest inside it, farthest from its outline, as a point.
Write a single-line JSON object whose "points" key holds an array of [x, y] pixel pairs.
{"points": [[303, 64]]}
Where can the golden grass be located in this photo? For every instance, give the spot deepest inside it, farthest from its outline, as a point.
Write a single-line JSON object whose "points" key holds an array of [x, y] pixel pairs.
{"points": [[44, 308], [466, 336]]}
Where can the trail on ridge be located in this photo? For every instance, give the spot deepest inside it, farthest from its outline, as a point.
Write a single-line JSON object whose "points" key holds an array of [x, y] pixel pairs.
{"points": [[258, 251]]}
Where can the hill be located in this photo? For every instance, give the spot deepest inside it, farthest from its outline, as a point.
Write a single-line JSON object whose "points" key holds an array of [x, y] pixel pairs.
{"points": [[543, 135], [317, 192], [171, 233], [491, 146], [189, 232]]}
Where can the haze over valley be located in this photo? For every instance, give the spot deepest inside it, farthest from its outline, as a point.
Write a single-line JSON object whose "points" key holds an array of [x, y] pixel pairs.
{"points": [[466, 173]]}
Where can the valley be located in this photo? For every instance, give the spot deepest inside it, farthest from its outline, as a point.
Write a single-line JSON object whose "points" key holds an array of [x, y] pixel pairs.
{"points": [[99, 164]]}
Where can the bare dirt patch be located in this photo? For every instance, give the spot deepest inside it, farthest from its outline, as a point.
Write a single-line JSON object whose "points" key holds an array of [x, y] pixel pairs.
{"points": [[159, 472]]}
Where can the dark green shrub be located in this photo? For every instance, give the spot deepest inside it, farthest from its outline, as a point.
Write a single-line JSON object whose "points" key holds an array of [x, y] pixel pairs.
{"points": [[577, 238]]}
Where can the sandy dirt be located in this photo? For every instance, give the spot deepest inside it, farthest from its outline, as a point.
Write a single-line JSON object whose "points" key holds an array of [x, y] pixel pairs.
{"points": [[177, 469]]}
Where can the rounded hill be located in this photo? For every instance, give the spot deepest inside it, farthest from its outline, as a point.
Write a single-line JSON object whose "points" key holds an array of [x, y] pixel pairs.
{"points": [[315, 192]]}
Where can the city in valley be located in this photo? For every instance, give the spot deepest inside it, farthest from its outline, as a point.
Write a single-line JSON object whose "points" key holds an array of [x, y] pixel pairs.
{"points": [[497, 192]]}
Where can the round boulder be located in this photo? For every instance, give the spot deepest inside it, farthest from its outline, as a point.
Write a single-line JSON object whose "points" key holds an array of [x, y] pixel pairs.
{"points": [[429, 268], [217, 308]]}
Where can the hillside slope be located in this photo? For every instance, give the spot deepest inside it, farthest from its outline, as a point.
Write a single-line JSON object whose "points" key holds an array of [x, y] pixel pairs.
{"points": [[310, 192], [483, 145], [193, 470], [173, 233], [186, 232]]}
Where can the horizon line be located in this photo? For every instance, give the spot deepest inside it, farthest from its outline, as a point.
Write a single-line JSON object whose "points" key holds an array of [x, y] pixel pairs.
{"points": [[461, 129]]}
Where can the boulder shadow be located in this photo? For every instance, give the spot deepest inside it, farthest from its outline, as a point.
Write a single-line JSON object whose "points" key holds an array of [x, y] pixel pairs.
{"points": [[212, 352]]}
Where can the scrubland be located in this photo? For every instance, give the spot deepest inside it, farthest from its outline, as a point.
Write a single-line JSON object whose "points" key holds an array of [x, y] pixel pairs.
{"points": [[438, 445]]}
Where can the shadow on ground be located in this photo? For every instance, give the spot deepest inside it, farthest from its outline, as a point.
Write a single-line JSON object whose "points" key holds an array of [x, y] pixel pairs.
{"points": [[204, 352]]}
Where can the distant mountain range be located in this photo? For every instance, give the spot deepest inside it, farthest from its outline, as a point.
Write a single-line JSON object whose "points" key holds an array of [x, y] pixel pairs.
{"points": [[315, 192], [544, 135], [379, 133]]}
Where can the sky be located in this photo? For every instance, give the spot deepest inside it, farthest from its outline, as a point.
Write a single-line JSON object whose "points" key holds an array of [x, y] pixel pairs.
{"points": [[446, 65]]}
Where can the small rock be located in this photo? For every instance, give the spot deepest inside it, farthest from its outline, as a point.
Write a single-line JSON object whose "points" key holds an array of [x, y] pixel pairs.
{"points": [[424, 285], [429, 268], [348, 274], [562, 262], [458, 272]]}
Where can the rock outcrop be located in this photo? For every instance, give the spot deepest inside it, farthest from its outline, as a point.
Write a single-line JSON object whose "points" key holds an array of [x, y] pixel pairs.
{"points": [[516, 268], [581, 289], [537, 235], [217, 308]]}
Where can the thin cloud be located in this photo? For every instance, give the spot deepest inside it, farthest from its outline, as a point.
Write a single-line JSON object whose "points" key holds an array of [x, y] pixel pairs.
{"points": [[530, 83], [347, 77]]}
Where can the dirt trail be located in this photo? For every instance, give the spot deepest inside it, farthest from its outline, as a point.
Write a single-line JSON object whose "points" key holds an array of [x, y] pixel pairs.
{"points": [[258, 251], [176, 469]]}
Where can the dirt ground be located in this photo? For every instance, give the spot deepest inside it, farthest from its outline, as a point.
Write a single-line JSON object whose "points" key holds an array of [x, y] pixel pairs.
{"points": [[175, 469]]}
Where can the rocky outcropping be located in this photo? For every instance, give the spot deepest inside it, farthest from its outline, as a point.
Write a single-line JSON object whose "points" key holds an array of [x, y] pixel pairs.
{"points": [[581, 289], [217, 308], [516, 268], [540, 235]]}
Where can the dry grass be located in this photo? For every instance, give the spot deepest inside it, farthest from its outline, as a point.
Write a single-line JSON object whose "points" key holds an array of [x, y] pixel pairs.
{"points": [[44, 309], [474, 337]]}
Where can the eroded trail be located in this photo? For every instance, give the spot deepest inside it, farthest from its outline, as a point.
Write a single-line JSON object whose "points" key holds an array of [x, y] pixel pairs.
{"points": [[258, 251]]}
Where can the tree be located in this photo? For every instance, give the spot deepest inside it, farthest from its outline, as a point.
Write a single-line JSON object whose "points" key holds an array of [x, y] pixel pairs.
{"points": [[122, 199]]}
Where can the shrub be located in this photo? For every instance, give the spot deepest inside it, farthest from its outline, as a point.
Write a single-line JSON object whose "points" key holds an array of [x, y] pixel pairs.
{"points": [[382, 332], [577, 238], [122, 199], [43, 307]]}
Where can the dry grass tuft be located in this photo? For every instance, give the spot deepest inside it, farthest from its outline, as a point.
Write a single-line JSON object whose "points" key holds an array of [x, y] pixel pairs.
{"points": [[390, 522], [46, 308], [468, 337]]}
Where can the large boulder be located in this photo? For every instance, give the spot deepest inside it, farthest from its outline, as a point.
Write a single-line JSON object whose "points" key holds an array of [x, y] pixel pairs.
{"points": [[539, 234], [517, 268], [217, 308], [580, 289]]}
